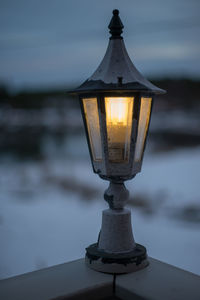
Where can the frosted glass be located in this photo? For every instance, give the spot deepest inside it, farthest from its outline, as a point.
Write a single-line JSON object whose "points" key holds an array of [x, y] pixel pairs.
{"points": [[119, 111], [93, 127], [145, 110]]}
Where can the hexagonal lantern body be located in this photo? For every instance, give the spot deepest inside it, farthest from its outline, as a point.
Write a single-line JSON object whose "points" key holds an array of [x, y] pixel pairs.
{"points": [[116, 126], [116, 103]]}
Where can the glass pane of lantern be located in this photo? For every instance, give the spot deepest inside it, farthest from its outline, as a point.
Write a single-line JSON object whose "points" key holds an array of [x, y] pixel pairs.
{"points": [[119, 111], [93, 127], [145, 110]]}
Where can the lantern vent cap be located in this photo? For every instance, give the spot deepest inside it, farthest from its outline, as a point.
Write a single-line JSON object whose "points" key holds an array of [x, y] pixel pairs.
{"points": [[116, 26]]}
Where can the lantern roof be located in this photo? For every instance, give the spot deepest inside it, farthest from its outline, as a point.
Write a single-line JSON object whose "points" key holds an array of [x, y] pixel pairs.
{"points": [[116, 72]]}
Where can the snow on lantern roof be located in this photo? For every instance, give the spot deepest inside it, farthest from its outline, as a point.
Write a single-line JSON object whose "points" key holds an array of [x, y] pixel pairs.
{"points": [[116, 72]]}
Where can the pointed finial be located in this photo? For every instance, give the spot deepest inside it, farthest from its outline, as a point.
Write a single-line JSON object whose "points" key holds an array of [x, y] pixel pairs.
{"points": [[116, 25]]}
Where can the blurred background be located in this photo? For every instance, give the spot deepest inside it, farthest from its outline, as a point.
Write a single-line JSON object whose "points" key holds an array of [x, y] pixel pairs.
{"points": [[50, 200]]}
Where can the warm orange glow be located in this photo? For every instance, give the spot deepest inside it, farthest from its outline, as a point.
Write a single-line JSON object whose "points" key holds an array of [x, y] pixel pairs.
{"points": [[144, 118], [117, 110]]}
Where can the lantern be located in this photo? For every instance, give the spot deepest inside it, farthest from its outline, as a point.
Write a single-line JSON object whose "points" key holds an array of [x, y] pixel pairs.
{"points": [[116, 103]]}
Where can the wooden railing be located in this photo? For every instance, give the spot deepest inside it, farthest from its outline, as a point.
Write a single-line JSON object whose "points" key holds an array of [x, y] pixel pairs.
{"points": [[74, 280]]}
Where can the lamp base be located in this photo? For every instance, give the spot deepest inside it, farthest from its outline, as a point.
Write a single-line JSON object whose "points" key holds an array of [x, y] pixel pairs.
{"points": [[116, 263]]}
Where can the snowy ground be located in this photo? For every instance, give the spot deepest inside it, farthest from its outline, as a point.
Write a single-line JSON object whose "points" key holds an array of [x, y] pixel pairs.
{"points": [[51, 210]]}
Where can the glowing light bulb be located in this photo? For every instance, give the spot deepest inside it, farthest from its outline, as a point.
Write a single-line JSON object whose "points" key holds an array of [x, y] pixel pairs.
{"points": [[119, 123], [117, 110]]}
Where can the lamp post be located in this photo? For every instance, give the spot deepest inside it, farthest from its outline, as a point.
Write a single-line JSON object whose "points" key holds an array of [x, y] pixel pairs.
{"points": [[116, 103]]}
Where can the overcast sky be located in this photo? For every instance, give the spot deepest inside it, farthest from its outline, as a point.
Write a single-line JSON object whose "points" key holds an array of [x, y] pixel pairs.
{"points": [[57, 42]]}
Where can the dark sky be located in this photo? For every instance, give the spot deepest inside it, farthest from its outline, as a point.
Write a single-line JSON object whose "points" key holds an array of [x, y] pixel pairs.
{"points": [[57, 42]]}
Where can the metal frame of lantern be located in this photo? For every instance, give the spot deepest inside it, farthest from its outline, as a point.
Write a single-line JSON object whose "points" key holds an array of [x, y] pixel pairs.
{"points": [[116, 77], [105, 168]]}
